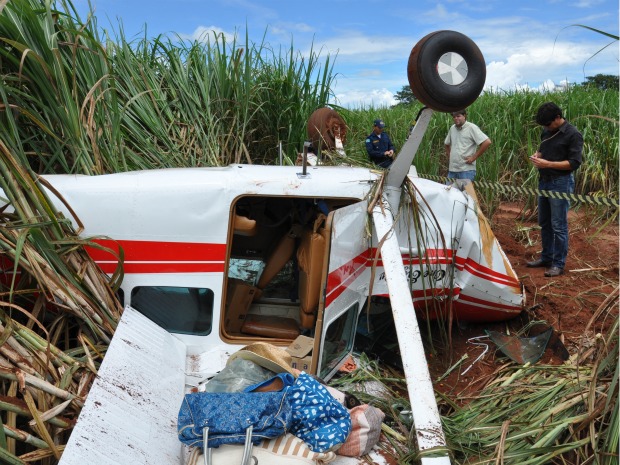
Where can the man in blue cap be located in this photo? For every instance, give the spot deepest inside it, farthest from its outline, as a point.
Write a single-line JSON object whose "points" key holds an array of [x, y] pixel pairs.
{"points": [[379, 146]]}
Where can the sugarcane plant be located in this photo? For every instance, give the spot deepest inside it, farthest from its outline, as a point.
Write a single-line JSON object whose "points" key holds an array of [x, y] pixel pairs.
{"points": [[91, 102], [58, 312]]}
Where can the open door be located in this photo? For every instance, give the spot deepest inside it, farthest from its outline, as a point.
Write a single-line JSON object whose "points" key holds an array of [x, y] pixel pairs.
{"points": [[345, 287]]}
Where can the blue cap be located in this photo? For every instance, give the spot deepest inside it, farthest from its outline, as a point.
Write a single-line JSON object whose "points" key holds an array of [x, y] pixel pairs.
{"points": [[379, 123]]}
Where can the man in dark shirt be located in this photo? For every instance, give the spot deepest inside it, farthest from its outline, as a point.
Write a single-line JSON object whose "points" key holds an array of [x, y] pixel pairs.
{"points": [[558, 155], [379, 146]]}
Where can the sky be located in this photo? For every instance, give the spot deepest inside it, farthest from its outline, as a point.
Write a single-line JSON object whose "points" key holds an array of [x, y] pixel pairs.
{"points": [[526, 44]]}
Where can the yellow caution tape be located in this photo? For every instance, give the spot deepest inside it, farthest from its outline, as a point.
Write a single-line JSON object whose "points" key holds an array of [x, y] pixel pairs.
{"points": [[590, 199]]}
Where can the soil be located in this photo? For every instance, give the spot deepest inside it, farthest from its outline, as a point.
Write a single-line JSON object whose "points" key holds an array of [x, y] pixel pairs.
{"points": [[566, 303]]}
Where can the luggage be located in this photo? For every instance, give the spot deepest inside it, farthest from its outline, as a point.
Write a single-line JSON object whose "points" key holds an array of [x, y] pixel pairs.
{"points": [[228, 417], [284, 450], [279, 405]]}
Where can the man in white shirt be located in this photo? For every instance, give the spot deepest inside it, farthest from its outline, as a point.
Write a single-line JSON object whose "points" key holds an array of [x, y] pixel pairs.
{"points": [[464, 143]]}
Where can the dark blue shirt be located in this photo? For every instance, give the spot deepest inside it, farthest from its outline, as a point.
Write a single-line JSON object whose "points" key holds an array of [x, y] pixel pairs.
{"points": [[564, 144], [376, 146]]}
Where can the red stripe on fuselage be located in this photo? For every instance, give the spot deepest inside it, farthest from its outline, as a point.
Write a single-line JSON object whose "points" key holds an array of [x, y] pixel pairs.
{"points": [[339, 279], [194, 257], [464, 308], [159, 256], [445, 257], [486, 273], [432, 257]]}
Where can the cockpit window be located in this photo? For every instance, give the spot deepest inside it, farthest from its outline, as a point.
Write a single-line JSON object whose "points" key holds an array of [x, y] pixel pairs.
{"points": [[338, 342]]}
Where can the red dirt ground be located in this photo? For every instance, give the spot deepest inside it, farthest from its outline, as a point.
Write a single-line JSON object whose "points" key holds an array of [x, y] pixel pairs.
{"points": [[567, 303]]}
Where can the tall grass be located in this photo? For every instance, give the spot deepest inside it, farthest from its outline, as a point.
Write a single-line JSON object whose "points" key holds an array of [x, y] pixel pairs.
{"points": [[508, 119], [58, 312], [91, 107]]}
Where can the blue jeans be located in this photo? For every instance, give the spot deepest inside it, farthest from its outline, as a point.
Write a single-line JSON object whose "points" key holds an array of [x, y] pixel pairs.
{"points": [[553, 219], [464, 176], [471, 174]]}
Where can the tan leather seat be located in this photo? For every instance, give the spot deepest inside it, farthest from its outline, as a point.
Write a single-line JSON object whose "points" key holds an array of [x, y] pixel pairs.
{"points": [[270, 326], [310, 256], [278, 258]]}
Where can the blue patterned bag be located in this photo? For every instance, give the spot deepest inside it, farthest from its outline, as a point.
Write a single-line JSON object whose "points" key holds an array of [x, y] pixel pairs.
{"points": [[228, 415], [319, 420]]}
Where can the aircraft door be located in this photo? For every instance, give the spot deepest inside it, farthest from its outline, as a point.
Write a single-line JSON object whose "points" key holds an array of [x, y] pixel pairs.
{"points": [[345, 287]]}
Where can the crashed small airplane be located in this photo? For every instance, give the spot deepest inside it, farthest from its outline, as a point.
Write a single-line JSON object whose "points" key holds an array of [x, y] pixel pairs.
{"points": [[219, 258]]}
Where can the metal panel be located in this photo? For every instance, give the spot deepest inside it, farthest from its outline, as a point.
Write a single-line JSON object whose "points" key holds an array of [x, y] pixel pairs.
{"points": [[131, 411]]}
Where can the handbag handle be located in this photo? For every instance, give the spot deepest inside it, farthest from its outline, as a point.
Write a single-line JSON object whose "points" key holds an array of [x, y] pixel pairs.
{"points": [[247, 447]]}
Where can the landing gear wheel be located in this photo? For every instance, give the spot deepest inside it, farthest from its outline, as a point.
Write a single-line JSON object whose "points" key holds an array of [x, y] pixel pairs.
{"points": [[446, 71]]}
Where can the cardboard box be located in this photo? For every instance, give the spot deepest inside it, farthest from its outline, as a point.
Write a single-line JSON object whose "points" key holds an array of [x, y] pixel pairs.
{"points": [[301, 352], [238, 300]]}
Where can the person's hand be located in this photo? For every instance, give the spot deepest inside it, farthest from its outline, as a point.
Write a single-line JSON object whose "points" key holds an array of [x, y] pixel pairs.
{"points": [[539, 162], [470, 160], [389, 153]]}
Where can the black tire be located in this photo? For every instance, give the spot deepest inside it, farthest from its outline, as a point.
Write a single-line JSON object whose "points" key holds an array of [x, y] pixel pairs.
{"points": [[435, 91]]}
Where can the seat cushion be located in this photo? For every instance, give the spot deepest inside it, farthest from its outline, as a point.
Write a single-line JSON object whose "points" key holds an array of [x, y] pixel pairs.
{"points": [[270, 326]]}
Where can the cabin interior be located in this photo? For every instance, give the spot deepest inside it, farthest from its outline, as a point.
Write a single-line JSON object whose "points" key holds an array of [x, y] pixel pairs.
{"points": [[275, 272], [277, 263]]}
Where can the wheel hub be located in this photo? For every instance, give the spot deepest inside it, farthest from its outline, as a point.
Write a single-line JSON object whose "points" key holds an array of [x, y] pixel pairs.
{"points": [[452, 68]]}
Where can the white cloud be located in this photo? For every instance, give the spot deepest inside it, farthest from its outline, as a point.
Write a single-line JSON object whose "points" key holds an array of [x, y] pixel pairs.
{"points": [[373, 98], [587, 3], [535, 63], [372, 50], [441, 14], [204, 33], [291, 29]]}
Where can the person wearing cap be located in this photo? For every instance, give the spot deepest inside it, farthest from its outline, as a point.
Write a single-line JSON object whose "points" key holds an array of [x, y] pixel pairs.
{"points": [[379, 146], [558, 155], [464, 143]]}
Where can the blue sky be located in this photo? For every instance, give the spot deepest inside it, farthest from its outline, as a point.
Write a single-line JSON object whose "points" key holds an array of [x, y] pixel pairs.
{"points": [[525, 43]]}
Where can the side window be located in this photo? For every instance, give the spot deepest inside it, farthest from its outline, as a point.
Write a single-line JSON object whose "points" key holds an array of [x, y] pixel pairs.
{"points": [[339, 339], [185, 310]]}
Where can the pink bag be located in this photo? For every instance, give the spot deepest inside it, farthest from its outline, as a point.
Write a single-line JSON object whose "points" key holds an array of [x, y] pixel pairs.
{"points": [[365, 431]]}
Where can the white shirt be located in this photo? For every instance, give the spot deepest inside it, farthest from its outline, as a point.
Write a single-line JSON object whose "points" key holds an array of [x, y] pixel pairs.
{"points": [[463, 144]]}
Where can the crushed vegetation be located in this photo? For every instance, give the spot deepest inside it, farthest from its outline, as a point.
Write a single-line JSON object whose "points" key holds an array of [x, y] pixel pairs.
{"points": [[526, 414]]}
